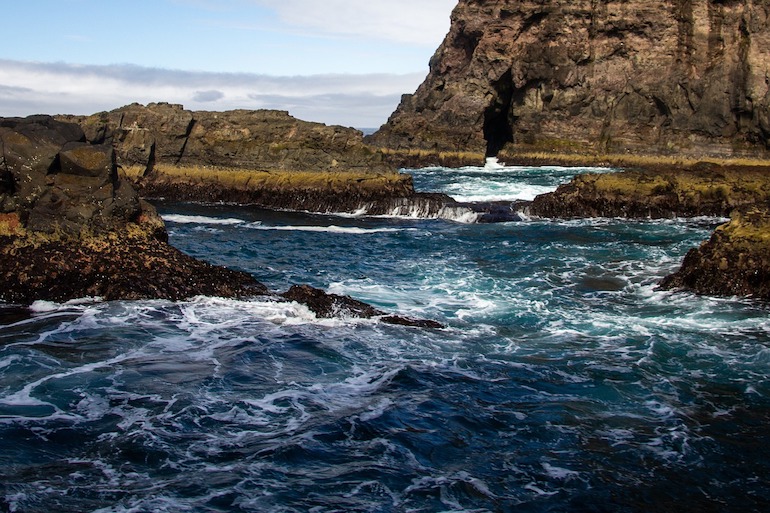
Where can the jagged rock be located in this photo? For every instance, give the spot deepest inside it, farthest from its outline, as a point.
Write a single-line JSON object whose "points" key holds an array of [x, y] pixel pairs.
{"points": [[703, 190], [677, 76], [326, 305], [71, 228], [57, 182], [259, 140], [734, 262], [120, 265]]}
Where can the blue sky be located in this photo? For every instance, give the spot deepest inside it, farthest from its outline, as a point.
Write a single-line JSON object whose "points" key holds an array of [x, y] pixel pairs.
{"points": [[335, 61]]}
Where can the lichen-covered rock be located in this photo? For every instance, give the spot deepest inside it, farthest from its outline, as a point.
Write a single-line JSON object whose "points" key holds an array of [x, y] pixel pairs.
{"points": [[702, 190], [674, 76], [734, 262]]}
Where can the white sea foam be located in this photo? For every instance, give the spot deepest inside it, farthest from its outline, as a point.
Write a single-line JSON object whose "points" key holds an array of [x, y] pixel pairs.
{"points": [[349, 230], [184, 219], [560, 473], [493, 163], [467, 193]]}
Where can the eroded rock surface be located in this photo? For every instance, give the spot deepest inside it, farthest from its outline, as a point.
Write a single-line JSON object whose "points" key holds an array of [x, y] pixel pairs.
{"points": [[265, 140], [71, 228], [734, 262], [702, 190], [675, 76]]}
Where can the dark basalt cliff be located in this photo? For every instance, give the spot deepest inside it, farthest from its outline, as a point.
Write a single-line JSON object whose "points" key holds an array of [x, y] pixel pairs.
{"points": [[587, 76]]}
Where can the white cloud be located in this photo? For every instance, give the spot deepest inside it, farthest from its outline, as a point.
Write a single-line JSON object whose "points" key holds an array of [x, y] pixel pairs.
{"points": [[420, 22], [57, 88]]}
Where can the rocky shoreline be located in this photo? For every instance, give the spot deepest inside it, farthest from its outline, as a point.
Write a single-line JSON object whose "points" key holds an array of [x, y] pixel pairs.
{"points": [[73, 194], [734, 262], [71, 228]]}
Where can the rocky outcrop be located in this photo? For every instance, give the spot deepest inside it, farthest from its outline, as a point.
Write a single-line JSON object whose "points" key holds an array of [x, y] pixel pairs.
{"points": [[120, 265], [56, 182], [588, 77], [259, 140], [71, 228], [734, 262], [702, 190], [265, 158]]}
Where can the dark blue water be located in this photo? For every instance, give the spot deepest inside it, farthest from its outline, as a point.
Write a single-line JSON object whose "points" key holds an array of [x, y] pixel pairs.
{"points": [[564, 380]]}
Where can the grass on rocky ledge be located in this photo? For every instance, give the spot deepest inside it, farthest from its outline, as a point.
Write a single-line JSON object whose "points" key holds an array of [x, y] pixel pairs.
{"points": [[618, 160], [632, 161], [253, 179]]}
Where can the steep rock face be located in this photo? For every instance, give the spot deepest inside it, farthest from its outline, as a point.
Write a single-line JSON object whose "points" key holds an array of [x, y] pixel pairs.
{"points": [[734, 262], [265, 140], [675, 76]]}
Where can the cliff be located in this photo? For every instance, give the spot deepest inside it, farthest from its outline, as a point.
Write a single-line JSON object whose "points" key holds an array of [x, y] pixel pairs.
{"points": [[669, 77]]}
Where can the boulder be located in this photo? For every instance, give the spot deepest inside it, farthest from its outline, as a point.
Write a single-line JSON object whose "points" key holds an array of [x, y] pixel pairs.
{"points": [[326, 305], [734, 262]]}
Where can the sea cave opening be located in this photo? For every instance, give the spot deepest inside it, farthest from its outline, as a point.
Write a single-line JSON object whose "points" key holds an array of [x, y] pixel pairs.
{"points": [[498, 125]]}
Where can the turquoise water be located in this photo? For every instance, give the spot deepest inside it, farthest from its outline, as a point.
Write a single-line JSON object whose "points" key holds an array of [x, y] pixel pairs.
{"points": [[564, 381]]}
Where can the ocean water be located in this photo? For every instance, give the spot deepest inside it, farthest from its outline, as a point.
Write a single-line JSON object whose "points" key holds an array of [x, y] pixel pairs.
{"points": [[563, 381]]}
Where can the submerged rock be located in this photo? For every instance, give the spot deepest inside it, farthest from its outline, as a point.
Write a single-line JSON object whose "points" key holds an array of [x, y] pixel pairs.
{"points": [[734, 262], [332, 305]]}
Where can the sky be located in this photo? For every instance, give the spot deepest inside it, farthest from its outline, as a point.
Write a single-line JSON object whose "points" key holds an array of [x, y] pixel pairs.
{"points": [[334, 61]]}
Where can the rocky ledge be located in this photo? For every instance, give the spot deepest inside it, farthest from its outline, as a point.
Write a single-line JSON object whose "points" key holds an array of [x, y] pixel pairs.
{"points": [[262, 157], [734, 262], [703, 189], [70, 228]]}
